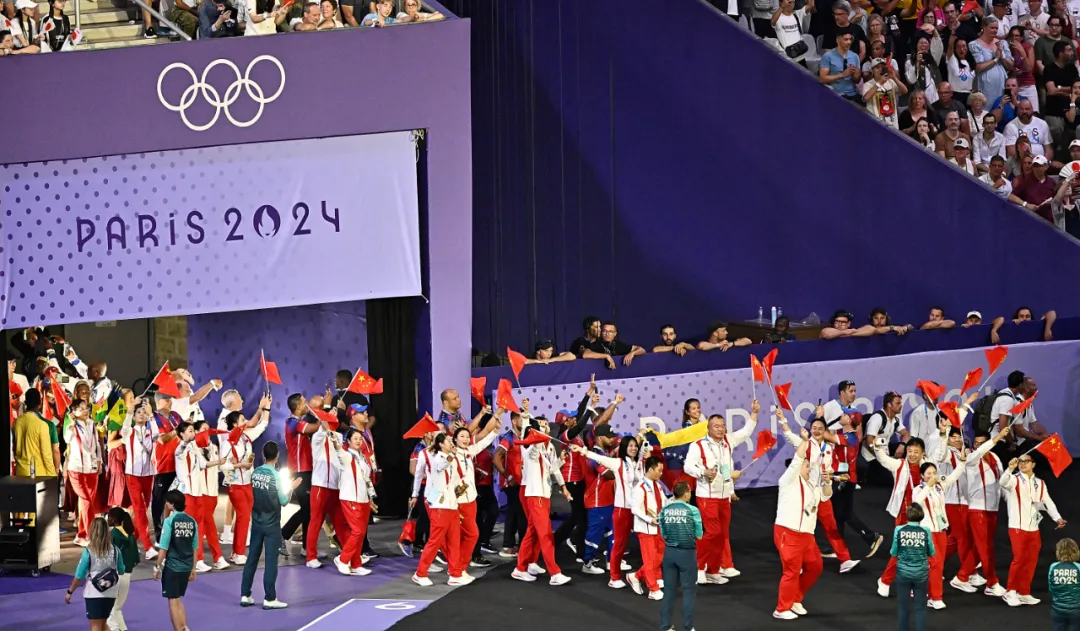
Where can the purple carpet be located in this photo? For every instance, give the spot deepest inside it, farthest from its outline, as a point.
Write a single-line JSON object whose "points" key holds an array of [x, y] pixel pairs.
{"points": [[22, 583]]}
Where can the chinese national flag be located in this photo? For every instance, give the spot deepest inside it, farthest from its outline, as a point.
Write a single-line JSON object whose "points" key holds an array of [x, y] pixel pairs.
{"points": [[969, 6], [363, 383], [424, 426], [236, 433], [757, 369], [269, 370], [476, 387], [202, 439], [782, 392], [930, 389], [504, 398], [971, 380], [770, 359], [1056, 454], [63, 401], [534, 438], [1022, 407], [165, 382], [330, 418], [951, 410], [517, 362], [996, 355], [765, 441]]}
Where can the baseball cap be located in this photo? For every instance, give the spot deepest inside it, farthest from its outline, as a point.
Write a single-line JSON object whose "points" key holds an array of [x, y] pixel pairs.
{"points": [[974, 314], [543, 345], [603, 431], [1075, 143], [1001, 3], [1039, 161], [562, 415], [961, 143], [876, 61], [25, 4], [356, 408]]}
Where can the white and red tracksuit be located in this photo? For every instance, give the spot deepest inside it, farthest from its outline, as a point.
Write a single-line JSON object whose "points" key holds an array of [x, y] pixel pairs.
{"points": [[355, 490], [324, 490], [936, 520], [190, 480], [820, 454], [714, 498], [83, 464], [797, 507], [1025, 496], [960, 539], [464, 472], [629, 472], [139, 474], [445, 528], [208, 497], [984, 499], [904, 476], [646, 502], [239, 481], [539, 466]]}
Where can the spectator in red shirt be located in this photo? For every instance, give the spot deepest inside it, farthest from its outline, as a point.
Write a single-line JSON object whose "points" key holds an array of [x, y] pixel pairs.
{"points": [[298, 433], [599, 503], [507, 461], [1036, 190]]}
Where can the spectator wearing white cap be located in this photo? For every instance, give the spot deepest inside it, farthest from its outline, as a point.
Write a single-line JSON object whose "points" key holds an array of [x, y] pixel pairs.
{"points": [[1036, 191], [25, 32], [1035, 128], [881, 91], [996, 180], [974, 318], [961, 156], [987, 144], [945, 142]]}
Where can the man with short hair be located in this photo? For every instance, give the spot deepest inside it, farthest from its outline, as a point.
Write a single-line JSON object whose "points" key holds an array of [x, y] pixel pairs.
{"points": [[881, 90], [1036, 192], [840, 326], [1058, 77], [166, 442], [216, 19], [269, 497], [946, 103], [544, 353], [646, 503], [945, 142], [937, 320], [680, 528], [309, 21], [298, 458], [669, 342], [885, 424], [840, 68], [32, 437], [1035, 128], [176, 567], [718, 338], [996, 180], [609, 346], [988, 144], [582, 346]]}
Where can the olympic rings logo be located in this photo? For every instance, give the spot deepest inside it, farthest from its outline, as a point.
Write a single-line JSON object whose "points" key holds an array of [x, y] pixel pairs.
{"points": [[199, 85]]}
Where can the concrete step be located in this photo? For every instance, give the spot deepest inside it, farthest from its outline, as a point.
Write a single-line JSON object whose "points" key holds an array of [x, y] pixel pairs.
{"points": [[111, 31], [105, 15], [119, 42]]}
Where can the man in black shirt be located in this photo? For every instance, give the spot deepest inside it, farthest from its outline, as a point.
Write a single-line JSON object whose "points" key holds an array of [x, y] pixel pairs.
{"points": [[669, 342], [544, 353], [608, 346], [582, 346], [1059, 77], [860, 44]]}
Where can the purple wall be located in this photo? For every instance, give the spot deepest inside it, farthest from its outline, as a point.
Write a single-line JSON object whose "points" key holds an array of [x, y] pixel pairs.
{"points": [[338, 83], [625, 168]]}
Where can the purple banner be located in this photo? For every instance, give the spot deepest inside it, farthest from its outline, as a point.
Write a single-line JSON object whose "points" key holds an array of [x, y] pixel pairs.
{"points": [[657, 402]]}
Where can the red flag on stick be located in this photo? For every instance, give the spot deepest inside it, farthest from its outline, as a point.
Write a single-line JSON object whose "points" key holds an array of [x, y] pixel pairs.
{"points": [[269, 370], [330, 418], [1056, 454], [757, 369], [476, 386], [931, 389], [971, 380], [770, 359], [1022, 407], [202, 439], [61, 398], [363, 383], [996, 355], [517, 362], [765, 441], [534, 438], [969, 6], [951, 409], [165, 382], [424, 426], [782, 392], [504, 398], [235, 434]]}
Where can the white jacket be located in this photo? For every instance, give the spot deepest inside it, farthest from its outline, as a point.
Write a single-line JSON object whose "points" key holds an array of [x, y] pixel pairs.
{"points": [[242, 450], [465, 468], [354, 477], [984, 482], [706, 454], [901, 470], [797, 502], [207, 479], [189, 465], [439, 491], [324, 447], [950, 461], [423, 463], [932, 498], [139, 445], [820, 454], [628, 474], [84, 449], [647, 500], [539, 466], [1025, 497]]}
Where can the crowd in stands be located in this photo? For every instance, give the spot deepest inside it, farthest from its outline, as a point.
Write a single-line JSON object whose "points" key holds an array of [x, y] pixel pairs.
{"points": [[991, 86], [23, 30]]}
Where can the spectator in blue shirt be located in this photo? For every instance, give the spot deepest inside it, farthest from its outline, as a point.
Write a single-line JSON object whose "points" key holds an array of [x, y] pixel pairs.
{"points": [[840, 68]]}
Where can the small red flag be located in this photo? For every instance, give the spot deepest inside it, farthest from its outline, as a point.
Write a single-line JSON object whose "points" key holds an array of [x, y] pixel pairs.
{"points": [[408, 531], [517, 362], [504, 398], [951, 409], [424, 426], [269, 370], [534, 438], [49, 26], [236, 433], [330, 418], [165, 382], [202, 439], [971, 380], [363, 383], [61, 398], [770, 359], [765, 441], [1022, 407], [996, 355], [1056, 454], [756, 369], [969, 6], [476, 387], [782, 392], [930, 389]]}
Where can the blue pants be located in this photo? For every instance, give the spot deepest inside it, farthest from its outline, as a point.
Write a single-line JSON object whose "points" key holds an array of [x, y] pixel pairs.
{"points": [[905, 602], [599, 532], [266, 539], [680, 569], [1063, 622]]}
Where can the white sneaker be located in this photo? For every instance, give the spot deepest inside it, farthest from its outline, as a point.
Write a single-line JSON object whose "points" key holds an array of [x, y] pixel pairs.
{"points": [[660, 583], [226, 538], [784, 615], [798, 609], [730, 572], [314, 564], [847, 566], [322, 555], [246, 601], [570, 544], [616, 584], [82, 543], [996, 590], [1012, 599], [935, 604], [559, 579], [625, 567], [435, 569], [882, 589], [457, 581], [635, 584], [274, 604], [237, 559], [522, 576], [342, 566], [657, 595], [963, 586], [976, 580], [536, 570], [151, 554], [1029, 600], [221, 564], [364, 558], [592, 568], [360, 571], [701, 580], [715, 579], [201, 567], [422, 581]]}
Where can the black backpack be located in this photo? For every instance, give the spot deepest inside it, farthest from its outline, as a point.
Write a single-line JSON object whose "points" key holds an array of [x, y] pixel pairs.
{"points": [[984, 408]]}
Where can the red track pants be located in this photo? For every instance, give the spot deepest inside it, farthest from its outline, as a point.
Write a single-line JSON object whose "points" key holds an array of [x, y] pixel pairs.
{"points": [[889, 575], [539, 539], [652, 556], [140, 490], [469, 535], [832, 533], [444, 533], [622, 524], [356, 514], [242, 500], [960, 539], [208, 525], [937, 566], [714, 549], [324, 505], [1025, 546], [802, 564], [85, 487], [983, 528]]}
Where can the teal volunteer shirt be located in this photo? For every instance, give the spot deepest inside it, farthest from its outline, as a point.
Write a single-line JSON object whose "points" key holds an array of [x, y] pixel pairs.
{"points": [[913, 546], [269, 497], [1064, 584], [680, 525], [178, 535]]}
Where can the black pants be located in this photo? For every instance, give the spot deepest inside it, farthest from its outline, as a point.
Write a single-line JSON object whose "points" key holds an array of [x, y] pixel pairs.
{"points": [[574, 528], [514, 529], [300, 519], [487, 513], [422, 523], [843, 501], [162, 482]]}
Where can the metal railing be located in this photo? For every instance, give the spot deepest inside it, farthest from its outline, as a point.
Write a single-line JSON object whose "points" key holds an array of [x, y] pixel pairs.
{"points": [[161, 19]]}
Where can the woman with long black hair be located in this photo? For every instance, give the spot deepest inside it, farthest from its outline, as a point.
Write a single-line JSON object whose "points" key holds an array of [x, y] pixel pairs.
{"points": [[57, 37]]}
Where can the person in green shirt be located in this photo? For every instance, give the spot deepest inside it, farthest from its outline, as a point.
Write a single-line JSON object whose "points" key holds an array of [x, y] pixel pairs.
{"points": [[176, 568], [269, 497], [680, 526], [1064, 584], [912, 545], [123, 537]]}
